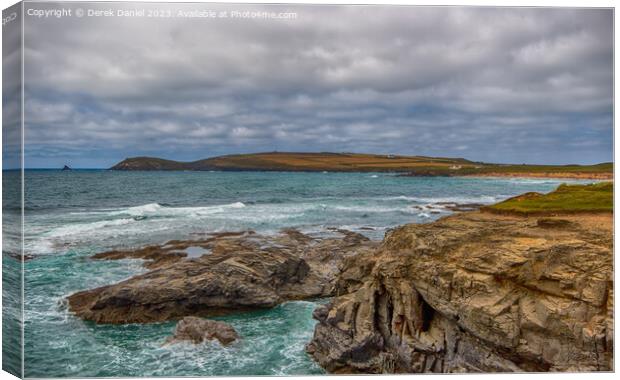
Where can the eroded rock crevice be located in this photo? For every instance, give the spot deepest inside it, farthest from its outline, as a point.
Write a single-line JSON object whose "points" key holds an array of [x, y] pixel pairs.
{"points": [[474, 292]]}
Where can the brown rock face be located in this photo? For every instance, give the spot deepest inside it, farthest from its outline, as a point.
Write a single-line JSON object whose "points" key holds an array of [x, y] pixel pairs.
{"points": [[476, 292], [156, 256], [198, 330], [240, 272]]}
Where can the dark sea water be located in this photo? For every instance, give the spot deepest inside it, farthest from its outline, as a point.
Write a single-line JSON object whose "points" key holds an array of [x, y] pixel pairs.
{"points": [[71, 215]]}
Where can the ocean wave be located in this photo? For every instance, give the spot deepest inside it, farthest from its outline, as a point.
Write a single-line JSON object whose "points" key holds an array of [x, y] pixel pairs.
{"points": [[156, 209], [373, 209], [137, 223], [132, 221], [75, 229], [455, 199]]}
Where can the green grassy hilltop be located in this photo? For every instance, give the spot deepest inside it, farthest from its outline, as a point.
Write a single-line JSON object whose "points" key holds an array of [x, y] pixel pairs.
{"points": [[593, 198], [358, 162]]}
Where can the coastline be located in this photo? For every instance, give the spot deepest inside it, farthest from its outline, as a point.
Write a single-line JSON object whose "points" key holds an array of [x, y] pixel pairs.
{"points": [[406, 166], [477, 292], [236, 277], [585, 176], [387, 283], [604, 176]]}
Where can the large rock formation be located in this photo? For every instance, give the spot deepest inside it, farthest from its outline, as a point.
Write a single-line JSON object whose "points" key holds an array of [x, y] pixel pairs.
{"points": [[235, 272], [475, 292]]}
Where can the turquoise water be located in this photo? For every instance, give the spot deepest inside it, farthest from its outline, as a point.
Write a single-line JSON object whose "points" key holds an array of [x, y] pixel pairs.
{"points": [[11, 274], [72, 215]]}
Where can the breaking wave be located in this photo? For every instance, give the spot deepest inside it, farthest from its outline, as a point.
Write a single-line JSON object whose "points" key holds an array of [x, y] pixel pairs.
{"points": [[75, 229], [155, 209], [455, 199]]}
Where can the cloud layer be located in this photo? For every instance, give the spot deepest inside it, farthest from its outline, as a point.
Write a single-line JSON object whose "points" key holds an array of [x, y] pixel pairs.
{"points": [[490, 84]]}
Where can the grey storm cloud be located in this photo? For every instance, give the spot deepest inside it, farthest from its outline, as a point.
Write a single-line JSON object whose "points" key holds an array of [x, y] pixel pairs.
{"points": [[490, 84]]}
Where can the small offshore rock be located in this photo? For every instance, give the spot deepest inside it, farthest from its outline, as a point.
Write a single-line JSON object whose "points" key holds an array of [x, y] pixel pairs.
{"points": [[198, 330]]}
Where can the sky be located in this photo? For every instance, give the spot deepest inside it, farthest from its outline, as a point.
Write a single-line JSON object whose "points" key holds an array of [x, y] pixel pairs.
{"points": [[505, 85]]}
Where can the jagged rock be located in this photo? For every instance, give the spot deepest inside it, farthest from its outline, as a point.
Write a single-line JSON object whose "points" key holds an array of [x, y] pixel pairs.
{"points": [[476, 292], [156, 256], [453, 206], [198, 330], [242, 271]]}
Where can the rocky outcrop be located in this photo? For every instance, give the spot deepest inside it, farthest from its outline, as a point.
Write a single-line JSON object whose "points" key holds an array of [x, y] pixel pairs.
{"points": [[198, 330], [476, 292], [238, 271], [156, 256]]}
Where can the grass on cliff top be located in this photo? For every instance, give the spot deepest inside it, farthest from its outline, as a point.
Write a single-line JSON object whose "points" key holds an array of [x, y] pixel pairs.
{"points": [[354, 162], [570, 199]]}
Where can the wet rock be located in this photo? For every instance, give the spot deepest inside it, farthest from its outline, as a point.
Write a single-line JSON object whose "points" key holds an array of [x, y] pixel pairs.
{"points": [[475, 292], [243, 271], [156, 256], [197, 330], [459, 207], [18, 255], [367, 228], [439, 207]]}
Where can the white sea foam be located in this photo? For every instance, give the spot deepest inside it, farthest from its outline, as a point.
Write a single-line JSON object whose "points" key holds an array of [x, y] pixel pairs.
{"points": [[136, 222], [74, 229], [139, 223], [266, 216], [155, 209], [150, 208], [456, 199], [39, 246], [373, 209]]}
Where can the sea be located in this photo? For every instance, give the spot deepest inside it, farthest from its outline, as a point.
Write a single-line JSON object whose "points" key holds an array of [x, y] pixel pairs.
{"points": [[71, 215]]}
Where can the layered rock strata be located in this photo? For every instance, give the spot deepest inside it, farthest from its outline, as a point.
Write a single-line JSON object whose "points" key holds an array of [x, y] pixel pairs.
{"points": [[476, 292], [238, 271]]}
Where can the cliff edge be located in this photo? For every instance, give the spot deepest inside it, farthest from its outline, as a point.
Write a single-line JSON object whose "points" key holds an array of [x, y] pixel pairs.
{"points": [[476, 292]]}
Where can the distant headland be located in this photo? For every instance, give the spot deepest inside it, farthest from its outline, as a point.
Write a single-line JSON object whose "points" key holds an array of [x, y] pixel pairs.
{"points": [[358, 162]]}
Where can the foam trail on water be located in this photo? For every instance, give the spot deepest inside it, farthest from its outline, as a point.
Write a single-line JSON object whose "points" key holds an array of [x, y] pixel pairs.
{"points": [[155, 209], [455, 199], [87, 227]]}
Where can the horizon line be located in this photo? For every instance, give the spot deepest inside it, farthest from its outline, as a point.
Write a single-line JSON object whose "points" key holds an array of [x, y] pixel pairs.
{"points": [[57, 168], [60, 167]]}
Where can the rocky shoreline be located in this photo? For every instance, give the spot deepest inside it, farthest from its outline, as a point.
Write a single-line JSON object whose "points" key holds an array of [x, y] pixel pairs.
{"points": [[470, 292], [602, 176], [475, 292], [235, 272]]}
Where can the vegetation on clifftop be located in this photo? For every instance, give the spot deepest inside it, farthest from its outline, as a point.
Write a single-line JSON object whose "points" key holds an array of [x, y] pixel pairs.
{"points": [[357, 162], [592, 198]]}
